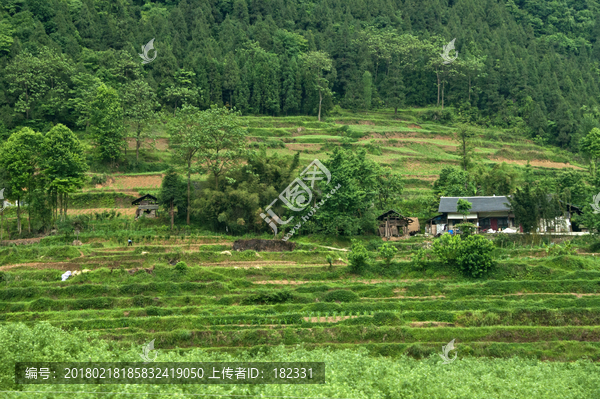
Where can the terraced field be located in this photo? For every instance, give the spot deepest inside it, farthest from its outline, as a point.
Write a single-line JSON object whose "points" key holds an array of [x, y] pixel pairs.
{"points": [[531, 305]]}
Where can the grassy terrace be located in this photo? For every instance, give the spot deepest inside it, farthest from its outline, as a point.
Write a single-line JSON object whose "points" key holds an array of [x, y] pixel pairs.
{"points": [[531, 304]]}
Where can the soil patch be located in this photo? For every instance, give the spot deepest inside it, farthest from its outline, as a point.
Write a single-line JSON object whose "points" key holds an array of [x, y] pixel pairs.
{"points": [[247, 265], [431, 324], [302, 146], [263, 245], [422, 177], [331, 319], [133, 182], [123, 211], [541, 164], [160, 144]]}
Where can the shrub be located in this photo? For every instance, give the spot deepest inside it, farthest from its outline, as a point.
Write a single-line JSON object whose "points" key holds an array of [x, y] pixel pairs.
{"points": [[474, 255], [329, 260], [559, 250], [181, 267], [340, 295], [420, 259], [99, 179], [387, 252], [446, 248], [358, 258], [386, 319], [268, 298]]}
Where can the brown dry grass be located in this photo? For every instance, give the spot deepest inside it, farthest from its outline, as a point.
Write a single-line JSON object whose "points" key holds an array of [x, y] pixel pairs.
{"points": [[431, 324], [133, 182], [541, 164], [302, 146], [123, 211], [160, 144]]}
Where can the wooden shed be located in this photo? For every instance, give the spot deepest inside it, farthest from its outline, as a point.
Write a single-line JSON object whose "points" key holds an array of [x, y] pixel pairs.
{"points": [[393, 224], [147, 206]]}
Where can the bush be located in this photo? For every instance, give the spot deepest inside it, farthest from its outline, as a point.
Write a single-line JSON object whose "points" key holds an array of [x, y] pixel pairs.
{"points": [[340, 295], [559, 250], [446, 248], [329, 260], [358, 258], [387, 252], [181, 267], [386, 319], [420, 259], [474, 255], [99, 179]]}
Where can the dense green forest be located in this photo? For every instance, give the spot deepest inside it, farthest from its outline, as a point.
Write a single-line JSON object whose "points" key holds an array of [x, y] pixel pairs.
{"points": [[531, 65]]}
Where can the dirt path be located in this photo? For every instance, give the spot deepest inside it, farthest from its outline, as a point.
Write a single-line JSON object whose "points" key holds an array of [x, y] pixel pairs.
{"points": [[294, 282], [247, 265], [66, 265]]}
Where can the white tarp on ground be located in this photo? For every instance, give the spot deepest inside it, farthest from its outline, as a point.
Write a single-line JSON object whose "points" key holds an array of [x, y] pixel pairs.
{"points": [[66, 275], [509, 230]]}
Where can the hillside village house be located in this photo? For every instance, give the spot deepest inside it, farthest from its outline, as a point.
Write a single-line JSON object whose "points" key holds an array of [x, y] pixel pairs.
{"points": [[490, 213], [393, 224], [147, 206]]}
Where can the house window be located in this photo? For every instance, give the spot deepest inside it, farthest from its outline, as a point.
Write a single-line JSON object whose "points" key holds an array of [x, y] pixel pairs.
{"points": [[485, 223], [502, 223]]}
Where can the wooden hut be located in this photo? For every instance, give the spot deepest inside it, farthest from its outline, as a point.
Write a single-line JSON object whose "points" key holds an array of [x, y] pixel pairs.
{"points": [[147, 206], [393, 224]]}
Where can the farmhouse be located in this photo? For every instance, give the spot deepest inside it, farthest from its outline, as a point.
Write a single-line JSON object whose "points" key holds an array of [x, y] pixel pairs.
{"points": [[491, 213], [393, 224], [147, 206]]}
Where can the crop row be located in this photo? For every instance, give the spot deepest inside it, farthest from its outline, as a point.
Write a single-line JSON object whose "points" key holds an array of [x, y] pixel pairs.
{"points": [[518, 317], [356, 334], [256, 294]]}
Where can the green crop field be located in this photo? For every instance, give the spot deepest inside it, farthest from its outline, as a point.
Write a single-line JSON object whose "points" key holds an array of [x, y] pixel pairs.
{"points": [[531, 324]]}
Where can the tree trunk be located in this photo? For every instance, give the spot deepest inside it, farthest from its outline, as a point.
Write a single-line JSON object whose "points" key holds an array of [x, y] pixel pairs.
{"points": [[137, 146], [395, 111], [437, 74], [216, 182], [172, 215], [19, 215], [469, 88], [231, 99], [320, 101], [66, 203], [60, 205], [443, 85], [188, 191], [29, 215]]}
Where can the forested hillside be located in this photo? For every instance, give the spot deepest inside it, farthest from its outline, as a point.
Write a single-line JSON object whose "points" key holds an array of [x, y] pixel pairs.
{"points": [[531, 65]]}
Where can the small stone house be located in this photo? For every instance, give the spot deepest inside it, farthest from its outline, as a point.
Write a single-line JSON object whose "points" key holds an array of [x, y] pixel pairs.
{"points": [[147, 206]]}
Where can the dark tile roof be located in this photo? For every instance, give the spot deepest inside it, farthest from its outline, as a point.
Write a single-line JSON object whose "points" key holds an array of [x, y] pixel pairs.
{"points": [[480, 204], [147, 196]]}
